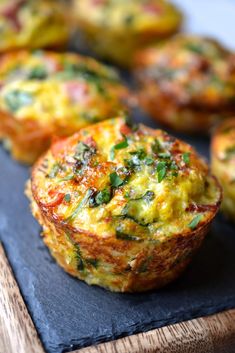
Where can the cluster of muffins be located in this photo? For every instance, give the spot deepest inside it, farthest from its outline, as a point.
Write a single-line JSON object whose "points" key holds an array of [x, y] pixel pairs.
{"points": [[121, 205]]}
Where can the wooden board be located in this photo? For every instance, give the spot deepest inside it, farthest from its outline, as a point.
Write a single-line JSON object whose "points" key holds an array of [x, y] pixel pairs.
{"points": [[212, 334], [17, 332]]}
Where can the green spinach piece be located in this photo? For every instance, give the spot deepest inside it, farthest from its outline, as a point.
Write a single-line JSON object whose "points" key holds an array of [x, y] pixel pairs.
{"points": [[17, 99]]}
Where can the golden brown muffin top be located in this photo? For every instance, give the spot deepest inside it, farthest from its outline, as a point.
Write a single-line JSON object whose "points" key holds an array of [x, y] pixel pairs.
{"points": [[117, 180]]}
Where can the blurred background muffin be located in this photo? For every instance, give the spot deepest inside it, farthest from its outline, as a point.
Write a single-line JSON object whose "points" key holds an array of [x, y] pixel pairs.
{"points": [[223, 163], [187, 83], [44, 94], [33, 24], [115, 29]]}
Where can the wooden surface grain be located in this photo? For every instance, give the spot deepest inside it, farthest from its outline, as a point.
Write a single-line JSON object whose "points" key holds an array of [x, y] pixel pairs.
{"points": [[17, 332], [212, 334]]}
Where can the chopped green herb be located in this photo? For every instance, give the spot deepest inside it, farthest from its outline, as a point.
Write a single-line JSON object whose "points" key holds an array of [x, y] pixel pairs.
{"points": [[135, 207], [156, 147], [132, 163], [161, 171], [37, 73], [67, 197], [173, 166], [195, 221], [17, 99], [140, 153], [195, 48], [149, 160], [78, 255], [229, 152], [81, 148], [118, 146], [137, 157], [83, 153], [69, 238], [122, 144], [186, 157], [164, 155], [68, 177], [92, 262], [54, 170], [174, 174], [115, 180], [112, 153], [149, 196], [83, 71], [103, 197], [129, 237], [81, 204], [80, 260]]}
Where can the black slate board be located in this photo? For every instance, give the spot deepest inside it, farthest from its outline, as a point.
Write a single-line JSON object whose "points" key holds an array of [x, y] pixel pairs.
{"points": [[69, 314]]}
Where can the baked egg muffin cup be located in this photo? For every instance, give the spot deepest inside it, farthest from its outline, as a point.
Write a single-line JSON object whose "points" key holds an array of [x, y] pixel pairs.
{"points": [[116, 29], [223, 163], [33, 24], [45, 94], [123, 206], [187, 83]]}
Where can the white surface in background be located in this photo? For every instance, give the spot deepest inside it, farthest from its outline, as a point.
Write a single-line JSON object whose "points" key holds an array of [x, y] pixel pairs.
{"points": [[214, 18]]}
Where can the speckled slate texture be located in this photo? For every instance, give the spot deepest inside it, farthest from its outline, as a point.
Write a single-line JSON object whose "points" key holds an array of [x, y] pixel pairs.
{"points": [[67, 313]]}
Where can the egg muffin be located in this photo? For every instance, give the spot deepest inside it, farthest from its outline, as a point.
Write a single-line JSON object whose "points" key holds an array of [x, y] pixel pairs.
{"points": [[187, 84], [123, 206], [44, 94], [32, 24], [115, 29], [223, 163]]}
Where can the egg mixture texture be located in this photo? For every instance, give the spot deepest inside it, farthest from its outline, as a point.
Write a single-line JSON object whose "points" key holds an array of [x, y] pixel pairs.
{"points": [[123, 206]]}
